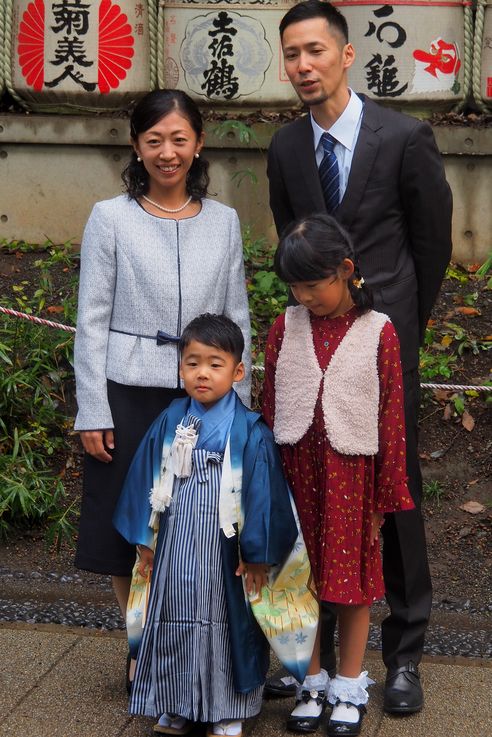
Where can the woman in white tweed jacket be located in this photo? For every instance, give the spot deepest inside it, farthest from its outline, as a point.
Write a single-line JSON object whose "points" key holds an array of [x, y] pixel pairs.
{"points": [[151, 260]]}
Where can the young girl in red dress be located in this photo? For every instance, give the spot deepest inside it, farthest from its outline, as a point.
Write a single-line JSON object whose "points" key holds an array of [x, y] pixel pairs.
{"points": [[334, 399]]}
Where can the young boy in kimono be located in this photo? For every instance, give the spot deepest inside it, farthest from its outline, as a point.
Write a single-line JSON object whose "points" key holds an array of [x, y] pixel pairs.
{"points": [[205, 465]]}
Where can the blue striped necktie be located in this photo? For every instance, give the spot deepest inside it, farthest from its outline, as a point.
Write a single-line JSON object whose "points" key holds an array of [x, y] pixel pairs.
{"points": [[328, 174]]}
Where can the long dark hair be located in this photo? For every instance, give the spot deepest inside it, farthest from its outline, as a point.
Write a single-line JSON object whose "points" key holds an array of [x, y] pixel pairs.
{"points": [[312, 249], [148, 112]]}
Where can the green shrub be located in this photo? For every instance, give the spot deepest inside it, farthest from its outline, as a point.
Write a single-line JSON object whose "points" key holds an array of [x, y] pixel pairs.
{"points": [[35, 366]]}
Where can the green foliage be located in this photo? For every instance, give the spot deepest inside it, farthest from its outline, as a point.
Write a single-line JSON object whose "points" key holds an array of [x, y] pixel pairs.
{"points": [[485, 267], [433, 491], [267, 294], [445, 343], [246, 135], [35, 365], [435, 360]]}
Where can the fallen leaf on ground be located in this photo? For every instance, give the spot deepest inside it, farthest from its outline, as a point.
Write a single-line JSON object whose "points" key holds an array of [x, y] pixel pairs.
{"points": [[468, 311], [467, 421], [448, 412], [437, 453], [473, 482], [472, 507], [54, 309]]}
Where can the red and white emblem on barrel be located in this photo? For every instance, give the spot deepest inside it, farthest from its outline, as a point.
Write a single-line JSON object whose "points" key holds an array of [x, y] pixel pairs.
{"points": [[75, 44]]}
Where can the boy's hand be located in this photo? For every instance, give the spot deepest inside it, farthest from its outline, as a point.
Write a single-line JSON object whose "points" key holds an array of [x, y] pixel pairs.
{"points": [[256, 575], [377, 521], [145, 560]]}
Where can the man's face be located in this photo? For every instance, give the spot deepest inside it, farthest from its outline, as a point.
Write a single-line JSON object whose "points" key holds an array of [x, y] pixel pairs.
{"points": [[316, 60]]}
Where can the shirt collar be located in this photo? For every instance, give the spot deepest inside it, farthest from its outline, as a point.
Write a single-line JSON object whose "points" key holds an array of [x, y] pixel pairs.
{"points": [[215, 422], [345, 127]]}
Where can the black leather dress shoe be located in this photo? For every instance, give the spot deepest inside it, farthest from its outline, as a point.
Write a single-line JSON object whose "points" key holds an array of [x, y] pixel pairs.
{"points": [[277, 688], [402, 690], [308, 724], [336, 727]]}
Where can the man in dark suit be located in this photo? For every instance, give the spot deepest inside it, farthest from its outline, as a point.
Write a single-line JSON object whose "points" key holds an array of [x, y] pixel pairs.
{"points": [[396, 203]]}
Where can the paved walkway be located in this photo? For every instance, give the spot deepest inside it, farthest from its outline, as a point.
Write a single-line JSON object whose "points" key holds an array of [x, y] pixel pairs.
{"points": [[61, 682]]}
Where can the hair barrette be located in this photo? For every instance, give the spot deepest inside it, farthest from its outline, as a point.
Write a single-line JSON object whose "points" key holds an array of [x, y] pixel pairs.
{"points": [[359, 282]]}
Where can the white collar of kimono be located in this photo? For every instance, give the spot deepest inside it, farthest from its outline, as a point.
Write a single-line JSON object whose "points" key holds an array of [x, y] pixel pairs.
{"points": [[214, 434]]}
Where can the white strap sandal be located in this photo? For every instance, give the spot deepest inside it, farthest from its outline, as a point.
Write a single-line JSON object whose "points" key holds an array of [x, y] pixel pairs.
{"points": [[226, 728], [172, 724]]}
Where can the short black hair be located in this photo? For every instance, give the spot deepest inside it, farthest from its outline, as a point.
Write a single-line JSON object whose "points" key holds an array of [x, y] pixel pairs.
{"points": [[218, 331], [316, 9]]}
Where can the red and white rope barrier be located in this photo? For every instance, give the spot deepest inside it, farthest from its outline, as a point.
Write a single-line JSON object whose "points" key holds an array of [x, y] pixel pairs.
{"points": [[70, 329], [37, 320]]}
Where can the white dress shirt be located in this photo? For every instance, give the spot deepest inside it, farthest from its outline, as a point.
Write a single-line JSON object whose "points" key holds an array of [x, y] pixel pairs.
{"points": [[345, 130]]}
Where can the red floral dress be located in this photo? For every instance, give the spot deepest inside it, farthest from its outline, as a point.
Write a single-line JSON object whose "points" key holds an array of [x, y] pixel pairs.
{"points": [[336, 494]]}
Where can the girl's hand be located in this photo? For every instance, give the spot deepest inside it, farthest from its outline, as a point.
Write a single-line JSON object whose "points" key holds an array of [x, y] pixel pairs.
{"points": [[256, 576], [95, 443], [146, 560], [377, 521]]}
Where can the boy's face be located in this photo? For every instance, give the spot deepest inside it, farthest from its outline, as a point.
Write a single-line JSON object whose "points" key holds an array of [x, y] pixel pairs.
{"points": [[208, 372]]}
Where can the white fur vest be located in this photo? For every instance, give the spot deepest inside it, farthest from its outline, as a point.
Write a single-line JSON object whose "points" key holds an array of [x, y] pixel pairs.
{"points": [[350, 396]]}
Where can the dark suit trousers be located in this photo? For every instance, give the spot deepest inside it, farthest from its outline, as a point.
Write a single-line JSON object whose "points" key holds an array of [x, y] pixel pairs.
{"points": [[405, 566]]}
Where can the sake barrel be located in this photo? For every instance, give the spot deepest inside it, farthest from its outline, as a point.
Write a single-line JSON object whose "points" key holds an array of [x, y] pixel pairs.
{"points": [[225, 53], [2, 47], [483, 47], [89, 54], [409, 52]]}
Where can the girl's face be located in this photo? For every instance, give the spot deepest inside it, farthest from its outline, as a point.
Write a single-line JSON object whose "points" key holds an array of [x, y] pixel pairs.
{"points": [[167, 150], [327, 297]]}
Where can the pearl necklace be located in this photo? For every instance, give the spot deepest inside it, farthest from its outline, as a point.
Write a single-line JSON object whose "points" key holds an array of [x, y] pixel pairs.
{"points": [[166, 209]]}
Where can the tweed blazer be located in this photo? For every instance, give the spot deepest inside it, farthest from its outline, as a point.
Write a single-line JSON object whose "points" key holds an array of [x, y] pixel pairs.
{"points": [[397, 208], [141, 274]]}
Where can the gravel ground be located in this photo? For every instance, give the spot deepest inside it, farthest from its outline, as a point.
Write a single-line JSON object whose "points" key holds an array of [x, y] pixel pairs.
{"points": [[82, 600]]}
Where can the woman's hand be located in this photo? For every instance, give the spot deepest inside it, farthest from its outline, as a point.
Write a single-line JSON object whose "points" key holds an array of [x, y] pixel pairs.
{"points": [[256, 575], [377, 521], [145, 560], [95, 443]]}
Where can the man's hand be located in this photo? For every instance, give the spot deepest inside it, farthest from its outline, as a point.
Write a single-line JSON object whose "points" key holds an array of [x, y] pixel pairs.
{"points": [[256, 575], [95, 443]]}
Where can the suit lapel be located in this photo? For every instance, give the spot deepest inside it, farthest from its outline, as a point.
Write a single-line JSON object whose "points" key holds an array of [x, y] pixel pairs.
{"points": [[306, 160], [365, 153]]}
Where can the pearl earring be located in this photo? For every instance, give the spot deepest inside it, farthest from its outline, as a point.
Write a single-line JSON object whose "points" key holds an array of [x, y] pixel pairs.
{"points": [[197, 156], [138, 158]]}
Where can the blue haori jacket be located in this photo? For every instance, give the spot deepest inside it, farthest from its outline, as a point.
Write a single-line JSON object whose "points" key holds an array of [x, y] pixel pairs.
{"points": [[269, 529]]}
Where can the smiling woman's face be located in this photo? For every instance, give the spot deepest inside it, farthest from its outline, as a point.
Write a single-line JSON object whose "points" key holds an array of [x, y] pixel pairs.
{"points": [[167, 150]]}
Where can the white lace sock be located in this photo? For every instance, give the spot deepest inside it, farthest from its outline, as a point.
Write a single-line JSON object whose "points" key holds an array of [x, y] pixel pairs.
{"points": [[342, 688], [228, 727], [313, 684]]}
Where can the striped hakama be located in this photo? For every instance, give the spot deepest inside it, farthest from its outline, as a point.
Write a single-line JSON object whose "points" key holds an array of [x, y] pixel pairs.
{"points": [[185, 664]]}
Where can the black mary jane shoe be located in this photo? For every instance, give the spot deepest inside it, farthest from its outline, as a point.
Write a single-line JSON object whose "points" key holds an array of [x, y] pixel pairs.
{"points": [[305, 725], [402, 690], [349, 729]]}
